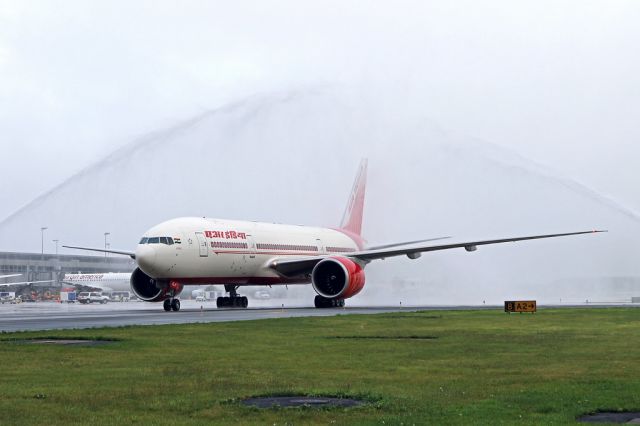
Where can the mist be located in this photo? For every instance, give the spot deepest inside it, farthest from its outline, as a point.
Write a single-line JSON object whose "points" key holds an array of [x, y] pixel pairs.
{"points": [[479, 121]]}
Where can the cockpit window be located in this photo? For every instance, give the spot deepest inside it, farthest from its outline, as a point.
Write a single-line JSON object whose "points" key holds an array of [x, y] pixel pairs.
{"points": [[157, 240]]}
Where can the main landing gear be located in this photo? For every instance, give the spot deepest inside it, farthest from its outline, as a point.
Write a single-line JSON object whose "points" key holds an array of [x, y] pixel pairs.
{"points": [[233, 301], [171, 305], [323, 302]]}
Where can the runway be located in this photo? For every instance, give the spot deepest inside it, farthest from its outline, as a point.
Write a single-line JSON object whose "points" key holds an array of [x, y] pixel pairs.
{"points": [[56, 316]]}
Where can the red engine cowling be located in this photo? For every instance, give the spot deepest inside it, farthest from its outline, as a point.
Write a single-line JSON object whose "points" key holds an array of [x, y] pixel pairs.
{"points": [[337, 278], [152, 290]]}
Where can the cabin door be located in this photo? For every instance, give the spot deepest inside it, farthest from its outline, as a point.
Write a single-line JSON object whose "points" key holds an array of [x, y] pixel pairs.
{"points": [[202, 244]]}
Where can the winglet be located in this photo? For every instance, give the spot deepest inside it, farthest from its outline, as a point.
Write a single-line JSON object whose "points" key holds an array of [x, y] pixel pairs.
{"points": [[352, 218]]}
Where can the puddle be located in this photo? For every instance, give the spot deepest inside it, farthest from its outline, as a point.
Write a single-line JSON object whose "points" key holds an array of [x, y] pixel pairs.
{"points": [[301, 401], [631, 417], [63, 342], [413, 337]]}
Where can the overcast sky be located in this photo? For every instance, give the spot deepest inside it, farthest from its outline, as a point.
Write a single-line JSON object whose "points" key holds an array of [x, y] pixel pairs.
{"points": [[556, 81]]}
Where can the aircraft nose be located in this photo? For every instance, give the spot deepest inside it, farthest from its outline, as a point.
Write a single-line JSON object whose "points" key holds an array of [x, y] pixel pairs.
{"points": [[146, 258]]}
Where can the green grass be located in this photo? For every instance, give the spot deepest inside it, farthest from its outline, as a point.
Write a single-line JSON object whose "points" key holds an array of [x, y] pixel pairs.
{"points": [[473, 367]]}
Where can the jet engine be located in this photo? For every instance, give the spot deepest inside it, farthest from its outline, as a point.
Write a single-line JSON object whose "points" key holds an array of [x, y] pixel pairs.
{"points": [[337, 278], [152, 290]]}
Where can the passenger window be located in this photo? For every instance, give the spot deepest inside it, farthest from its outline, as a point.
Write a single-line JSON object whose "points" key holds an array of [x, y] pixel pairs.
{"points": [[154, 240]]}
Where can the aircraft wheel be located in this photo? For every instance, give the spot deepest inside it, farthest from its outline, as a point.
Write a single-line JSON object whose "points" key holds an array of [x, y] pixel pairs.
{"points": [[321, 302], [175, 305], [167, 305]]}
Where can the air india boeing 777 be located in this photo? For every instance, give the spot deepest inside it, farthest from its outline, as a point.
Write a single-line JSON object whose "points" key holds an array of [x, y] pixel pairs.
{"points": [[197, 251]]}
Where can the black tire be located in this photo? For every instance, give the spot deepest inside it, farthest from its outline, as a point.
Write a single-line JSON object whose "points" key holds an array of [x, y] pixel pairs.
{"points": [[167, 305], [321, 302], [175, 305], [219, 302], [244, 301]]}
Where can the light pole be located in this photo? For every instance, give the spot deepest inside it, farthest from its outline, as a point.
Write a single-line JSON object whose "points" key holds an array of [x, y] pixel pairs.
{"points": [[44, 228], [105, 242], [56, 241]]}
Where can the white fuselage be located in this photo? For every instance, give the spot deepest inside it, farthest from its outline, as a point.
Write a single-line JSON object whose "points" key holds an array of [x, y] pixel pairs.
{"points": [[108, 281], [214, 251]]}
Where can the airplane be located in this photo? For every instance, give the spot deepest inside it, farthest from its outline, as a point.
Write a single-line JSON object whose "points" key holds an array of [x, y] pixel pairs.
{"points": [[108, 281], [205, 251], [10, 276], [104, 281], [22, 282]]}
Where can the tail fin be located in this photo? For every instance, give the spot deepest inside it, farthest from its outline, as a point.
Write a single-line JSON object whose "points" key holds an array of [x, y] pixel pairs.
{"points": [[352, 218]]}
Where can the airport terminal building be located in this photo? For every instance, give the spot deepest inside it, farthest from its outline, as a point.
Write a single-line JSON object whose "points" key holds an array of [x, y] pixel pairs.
{"points": [[42, 267]]}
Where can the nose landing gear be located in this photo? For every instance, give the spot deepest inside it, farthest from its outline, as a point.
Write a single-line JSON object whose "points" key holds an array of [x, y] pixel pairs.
{"points": [[234, 300], [172, 303]]}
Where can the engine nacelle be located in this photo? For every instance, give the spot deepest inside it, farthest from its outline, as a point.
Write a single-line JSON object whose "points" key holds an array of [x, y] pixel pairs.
{"points": [[337, 278], [152, 290]]}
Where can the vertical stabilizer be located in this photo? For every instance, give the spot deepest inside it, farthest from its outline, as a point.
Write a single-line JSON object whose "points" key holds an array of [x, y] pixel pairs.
{"points": [[352, 218]]}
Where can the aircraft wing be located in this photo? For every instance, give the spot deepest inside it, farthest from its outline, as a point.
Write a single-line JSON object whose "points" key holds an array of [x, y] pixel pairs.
{"points": [[406, 243], [303, 266], [414, 252], [25, 283], [294, 267], [9, 276], [123, 252], [86, 284]]}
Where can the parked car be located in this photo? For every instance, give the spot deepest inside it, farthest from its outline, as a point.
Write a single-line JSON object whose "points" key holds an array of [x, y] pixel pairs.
{"points": [[120, 296], [7, 297], [92, 297]]}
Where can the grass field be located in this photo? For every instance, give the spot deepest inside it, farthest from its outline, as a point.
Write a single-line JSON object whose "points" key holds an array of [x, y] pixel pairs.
{"points": [[449, 367]]}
